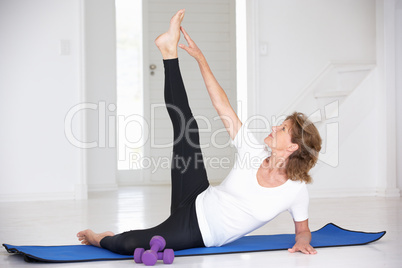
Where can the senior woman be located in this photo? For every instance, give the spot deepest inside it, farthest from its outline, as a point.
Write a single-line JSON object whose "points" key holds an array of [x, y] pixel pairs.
{"points": [[250, 196]]}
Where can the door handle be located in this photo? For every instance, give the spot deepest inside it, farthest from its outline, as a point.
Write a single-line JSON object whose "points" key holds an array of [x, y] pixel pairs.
{"points": [[152, 67]]}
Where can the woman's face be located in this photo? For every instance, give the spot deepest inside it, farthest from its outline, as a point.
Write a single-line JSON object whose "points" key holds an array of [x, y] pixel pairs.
{"points": [[280, 138]]}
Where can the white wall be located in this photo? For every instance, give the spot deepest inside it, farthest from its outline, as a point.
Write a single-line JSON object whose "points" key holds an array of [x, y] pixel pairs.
{"points": [[399, 89], [37, 88], [100, 87], [387, 93], [301, 37]]}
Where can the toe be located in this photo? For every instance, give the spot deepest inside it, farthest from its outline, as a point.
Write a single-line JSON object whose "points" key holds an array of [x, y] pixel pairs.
{"points": [[180, 13], [178, 17]]}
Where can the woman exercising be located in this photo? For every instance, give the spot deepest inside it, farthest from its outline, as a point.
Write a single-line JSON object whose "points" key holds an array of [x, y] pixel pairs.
{"points": [[250, 196]]}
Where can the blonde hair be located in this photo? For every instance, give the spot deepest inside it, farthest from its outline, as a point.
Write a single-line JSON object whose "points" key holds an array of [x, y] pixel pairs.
{"points": [[303, 133]]}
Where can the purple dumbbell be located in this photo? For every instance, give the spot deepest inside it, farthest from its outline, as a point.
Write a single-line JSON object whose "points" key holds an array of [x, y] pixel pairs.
{"points": [[167, 256], [150, 257]]}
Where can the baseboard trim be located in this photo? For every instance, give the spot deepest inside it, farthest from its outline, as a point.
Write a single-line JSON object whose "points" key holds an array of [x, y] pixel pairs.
{"points": [[395, 192], [334, 193], [81, 192], [32, 197], [102, 187]]}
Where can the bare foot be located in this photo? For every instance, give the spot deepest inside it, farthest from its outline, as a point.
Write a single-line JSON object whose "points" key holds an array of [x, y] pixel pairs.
{"points": [[88, 237], [167, 42]]}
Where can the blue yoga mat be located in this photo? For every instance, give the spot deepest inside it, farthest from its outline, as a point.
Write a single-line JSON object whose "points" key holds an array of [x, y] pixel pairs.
{"points": [[328, 236]]}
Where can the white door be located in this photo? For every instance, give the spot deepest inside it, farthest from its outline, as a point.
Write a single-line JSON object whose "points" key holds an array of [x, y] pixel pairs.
{"points": [[211, 24]]}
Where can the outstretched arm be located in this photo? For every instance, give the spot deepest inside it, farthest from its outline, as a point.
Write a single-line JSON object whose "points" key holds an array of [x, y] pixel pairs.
{"points": [[303, 239], [218, 96]]}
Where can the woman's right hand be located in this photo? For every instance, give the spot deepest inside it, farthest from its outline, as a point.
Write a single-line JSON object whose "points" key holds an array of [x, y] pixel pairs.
{"points": [[192, 48], [218, 96]]}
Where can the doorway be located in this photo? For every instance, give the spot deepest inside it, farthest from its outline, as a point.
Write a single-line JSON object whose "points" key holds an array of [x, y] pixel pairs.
{"points": [[130, 100], [213, 25]]}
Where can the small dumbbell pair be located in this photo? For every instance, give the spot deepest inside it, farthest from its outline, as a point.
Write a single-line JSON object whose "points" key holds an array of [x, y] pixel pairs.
{"points": [[151, 256]]}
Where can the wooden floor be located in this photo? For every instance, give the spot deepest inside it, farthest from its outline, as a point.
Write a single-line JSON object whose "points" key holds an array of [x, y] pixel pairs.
{"points": [[57, 222]]}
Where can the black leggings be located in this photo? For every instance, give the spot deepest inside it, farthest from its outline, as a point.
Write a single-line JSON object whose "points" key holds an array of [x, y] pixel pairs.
{"points": [[181, 229]]}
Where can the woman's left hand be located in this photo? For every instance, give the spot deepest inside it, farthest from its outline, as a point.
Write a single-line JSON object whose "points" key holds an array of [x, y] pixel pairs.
{"points": [[303, 238], [303, 247]]}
